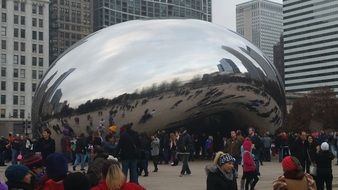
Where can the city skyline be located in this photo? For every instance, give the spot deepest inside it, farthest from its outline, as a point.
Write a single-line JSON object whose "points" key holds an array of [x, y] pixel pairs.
{"points": [[223, 9]]}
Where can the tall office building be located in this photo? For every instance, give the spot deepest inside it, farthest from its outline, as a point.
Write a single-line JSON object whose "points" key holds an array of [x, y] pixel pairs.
{"points": [[109, 12], [261, 22], [24, 57], [70, 21], [310, 44], [278, 57]]}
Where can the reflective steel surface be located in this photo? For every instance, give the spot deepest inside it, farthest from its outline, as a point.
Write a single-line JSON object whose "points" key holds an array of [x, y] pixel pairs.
{"points": [[161, 74]]}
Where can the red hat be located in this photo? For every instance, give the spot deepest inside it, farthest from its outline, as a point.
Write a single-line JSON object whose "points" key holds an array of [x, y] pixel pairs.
{"points": [[289, 164]]}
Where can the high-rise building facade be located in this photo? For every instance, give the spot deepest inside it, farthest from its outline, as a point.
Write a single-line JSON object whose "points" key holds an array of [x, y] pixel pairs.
{"points": [[24, 56], [109, 12], [310, 44], [70, 21], [278, 57], [261, 22]]}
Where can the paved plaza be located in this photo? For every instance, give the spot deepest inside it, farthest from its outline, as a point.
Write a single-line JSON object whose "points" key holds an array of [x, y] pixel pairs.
{"points": [[168, 177]]}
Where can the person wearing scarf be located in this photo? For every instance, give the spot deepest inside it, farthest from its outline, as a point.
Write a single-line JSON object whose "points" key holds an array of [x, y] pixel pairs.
{"points": [[222, 174]]}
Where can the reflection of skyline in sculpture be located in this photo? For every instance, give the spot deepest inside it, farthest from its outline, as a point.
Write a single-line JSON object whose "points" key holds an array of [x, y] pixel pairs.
{"points": [[185, 70], [228, 66]]}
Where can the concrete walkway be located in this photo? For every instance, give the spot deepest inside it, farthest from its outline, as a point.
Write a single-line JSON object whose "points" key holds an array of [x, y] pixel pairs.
{"points": [[168, 177]]}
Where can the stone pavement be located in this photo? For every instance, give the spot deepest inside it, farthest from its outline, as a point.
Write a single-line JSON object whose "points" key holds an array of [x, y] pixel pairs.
{"points": [[167, 178]]}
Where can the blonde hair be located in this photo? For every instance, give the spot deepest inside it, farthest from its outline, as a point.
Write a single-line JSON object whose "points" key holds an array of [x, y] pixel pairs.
{"points": [[217, 156], [115, 177]]}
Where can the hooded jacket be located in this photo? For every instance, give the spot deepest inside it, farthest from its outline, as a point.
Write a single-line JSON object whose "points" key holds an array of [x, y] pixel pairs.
{"points": [[248, 161], [217, 179]]}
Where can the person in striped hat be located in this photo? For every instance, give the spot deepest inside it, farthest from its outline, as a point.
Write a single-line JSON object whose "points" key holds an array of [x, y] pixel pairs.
{"points": [[222, 174]]}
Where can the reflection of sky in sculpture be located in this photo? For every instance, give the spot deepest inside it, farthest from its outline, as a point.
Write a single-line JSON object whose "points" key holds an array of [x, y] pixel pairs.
{"points": [[161, 45]]}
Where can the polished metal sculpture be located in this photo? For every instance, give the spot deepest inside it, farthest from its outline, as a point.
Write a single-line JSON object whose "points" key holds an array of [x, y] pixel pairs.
{"points": [[161, 74]]}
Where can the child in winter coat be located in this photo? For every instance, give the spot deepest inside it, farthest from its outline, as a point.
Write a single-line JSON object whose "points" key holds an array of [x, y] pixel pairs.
{"points": [[249, 166]]}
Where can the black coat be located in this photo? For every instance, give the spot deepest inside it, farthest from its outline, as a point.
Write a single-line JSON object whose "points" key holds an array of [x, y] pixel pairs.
{"points": [[217, 181], [324, 163], [129, 146], [46, 147], [300, 150], [184, 143]]}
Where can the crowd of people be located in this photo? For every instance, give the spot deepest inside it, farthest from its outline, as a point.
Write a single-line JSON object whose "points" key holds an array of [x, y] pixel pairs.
{"points": [[306, 158]]}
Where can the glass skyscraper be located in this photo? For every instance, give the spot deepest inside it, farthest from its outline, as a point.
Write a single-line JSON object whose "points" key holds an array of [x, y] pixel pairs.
{"points": [[310, 44], [109, 12]]}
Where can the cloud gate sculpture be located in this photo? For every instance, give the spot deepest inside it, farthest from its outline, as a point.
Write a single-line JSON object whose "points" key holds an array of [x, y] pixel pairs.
{"points": [[161, 74]]}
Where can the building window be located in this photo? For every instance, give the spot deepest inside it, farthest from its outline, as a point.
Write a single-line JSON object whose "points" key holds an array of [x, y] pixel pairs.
{"points": [[34, 35], [16, 19], [40, 23], [16, 5], [3, 58], [22, 73], [23, 46], [16, 32], [34, 49], [4, 4], [3, 17], [34, 22], [34, 74], [40, 48], [15, 73], [22, 100], [3, 71], [40, 74], [3, 31], [23, 7], [33, 87], [15, 86], [34, 61], [23, 33], [23, 20], [3, 44], [40, 61], [41, 36], [34, 8], [15, 113], [15, 100], [3, 99], [3, 111], [22, 114], [40, 9], [15, 59], [16, 46], [22, 87], [23, 60], [3, 85]]}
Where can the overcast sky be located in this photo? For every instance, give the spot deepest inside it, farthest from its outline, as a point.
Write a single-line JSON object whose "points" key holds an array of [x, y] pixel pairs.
{"points": [[224, 12]]}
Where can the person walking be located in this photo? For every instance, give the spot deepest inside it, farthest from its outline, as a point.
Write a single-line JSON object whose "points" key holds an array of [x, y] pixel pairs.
{"points": [[221, 175], [128, 147], [249, 166], [324, 167], [294, 176], [155, 151], [300, 151], [81, 151], [184, 145]]}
